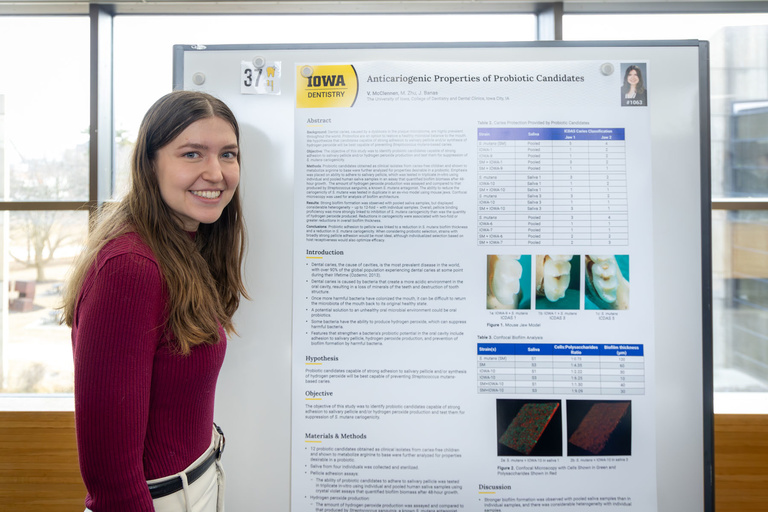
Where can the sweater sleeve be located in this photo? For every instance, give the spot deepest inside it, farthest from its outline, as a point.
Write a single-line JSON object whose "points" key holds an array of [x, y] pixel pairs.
{"points": [[118, 327]]}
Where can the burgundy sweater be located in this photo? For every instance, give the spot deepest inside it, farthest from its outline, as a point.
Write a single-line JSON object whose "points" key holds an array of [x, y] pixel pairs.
{"points": [[142, 410]]}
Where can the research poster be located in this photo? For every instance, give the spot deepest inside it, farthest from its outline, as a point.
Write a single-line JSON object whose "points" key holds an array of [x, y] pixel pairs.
{"points": [[473, 322]]}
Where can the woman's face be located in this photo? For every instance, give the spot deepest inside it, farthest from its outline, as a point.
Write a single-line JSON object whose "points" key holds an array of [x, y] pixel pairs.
{"points": [[198, 171], [632, 78]]}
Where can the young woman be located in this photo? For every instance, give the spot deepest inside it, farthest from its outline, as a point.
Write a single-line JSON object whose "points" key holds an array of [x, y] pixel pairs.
{"points": [[149, 302], [633, 92]]}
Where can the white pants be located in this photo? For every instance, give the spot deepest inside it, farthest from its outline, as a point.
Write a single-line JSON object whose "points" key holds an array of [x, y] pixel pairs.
{"points": [[206, 494]]}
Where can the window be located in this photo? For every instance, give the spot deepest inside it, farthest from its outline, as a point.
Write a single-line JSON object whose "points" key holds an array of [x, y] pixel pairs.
{"points": [[39, 248], [47, 162], [739, 110], [43, 160], [45, 156]]}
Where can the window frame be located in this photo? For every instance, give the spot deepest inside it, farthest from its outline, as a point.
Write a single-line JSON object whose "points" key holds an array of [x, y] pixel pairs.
{"points": [[549, 17]]}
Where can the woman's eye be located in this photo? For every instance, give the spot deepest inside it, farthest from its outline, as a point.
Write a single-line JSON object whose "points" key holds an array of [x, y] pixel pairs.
{"points": [[191, 154], [230, 154]]}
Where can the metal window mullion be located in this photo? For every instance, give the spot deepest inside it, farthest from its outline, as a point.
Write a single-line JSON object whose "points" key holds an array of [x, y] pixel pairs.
{"points": [[549, 21], [100, 163], [41, 7], [673, 7]]}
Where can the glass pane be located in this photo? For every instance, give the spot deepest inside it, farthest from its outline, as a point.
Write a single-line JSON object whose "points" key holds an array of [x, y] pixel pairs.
{"points": [[739, 117], [38, 248], [748, 176], [616, 27], [740, 292], [739, 84], [143, 47], [44, 108]]}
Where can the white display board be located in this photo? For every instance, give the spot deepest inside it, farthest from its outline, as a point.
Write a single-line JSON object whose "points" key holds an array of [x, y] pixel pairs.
{"points": [[480, 276]]}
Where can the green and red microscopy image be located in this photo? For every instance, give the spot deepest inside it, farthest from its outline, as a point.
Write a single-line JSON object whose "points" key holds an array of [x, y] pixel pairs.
{"points": [[599, 428], [534, 429]]}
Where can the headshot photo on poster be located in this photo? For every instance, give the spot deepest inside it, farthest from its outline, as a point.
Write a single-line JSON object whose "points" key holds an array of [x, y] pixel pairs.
{"points": [[634, 85]]}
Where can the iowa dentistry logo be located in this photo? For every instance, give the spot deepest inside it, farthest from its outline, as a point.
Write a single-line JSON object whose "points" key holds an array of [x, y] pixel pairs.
{"points": [[326, 86]]}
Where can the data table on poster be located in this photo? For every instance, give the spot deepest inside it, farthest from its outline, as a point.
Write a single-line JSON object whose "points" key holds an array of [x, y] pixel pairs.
{"points": [[552, 186], [543, 368]]}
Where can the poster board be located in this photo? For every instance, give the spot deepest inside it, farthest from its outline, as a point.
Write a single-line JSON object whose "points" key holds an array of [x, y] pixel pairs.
{"points": [[430, 326]]}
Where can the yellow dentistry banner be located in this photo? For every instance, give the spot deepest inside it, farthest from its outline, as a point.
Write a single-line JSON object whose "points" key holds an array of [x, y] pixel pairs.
{"points": [[333, 86]]}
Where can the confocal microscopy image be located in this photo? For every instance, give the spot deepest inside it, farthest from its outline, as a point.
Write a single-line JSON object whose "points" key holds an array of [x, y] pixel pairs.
{"points": [[558, 282], [529, 428], [606, 282], [508, 283], [599, 427]]}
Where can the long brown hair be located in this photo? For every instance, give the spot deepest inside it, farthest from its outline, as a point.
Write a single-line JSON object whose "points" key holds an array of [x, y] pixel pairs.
{"points": [[202, 276], [640, 87]]}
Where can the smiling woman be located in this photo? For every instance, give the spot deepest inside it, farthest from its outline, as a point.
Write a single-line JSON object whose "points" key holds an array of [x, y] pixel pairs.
{"points": [[633, 91], [198, 172], [149, 302]]}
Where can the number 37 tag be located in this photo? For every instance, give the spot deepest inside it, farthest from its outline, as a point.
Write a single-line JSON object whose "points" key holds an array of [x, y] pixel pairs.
{"points": [[259, 80]]}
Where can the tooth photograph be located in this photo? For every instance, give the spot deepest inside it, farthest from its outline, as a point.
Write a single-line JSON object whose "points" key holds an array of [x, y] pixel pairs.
{"points": [[509, 281], [606, 282], [558, 280]]}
